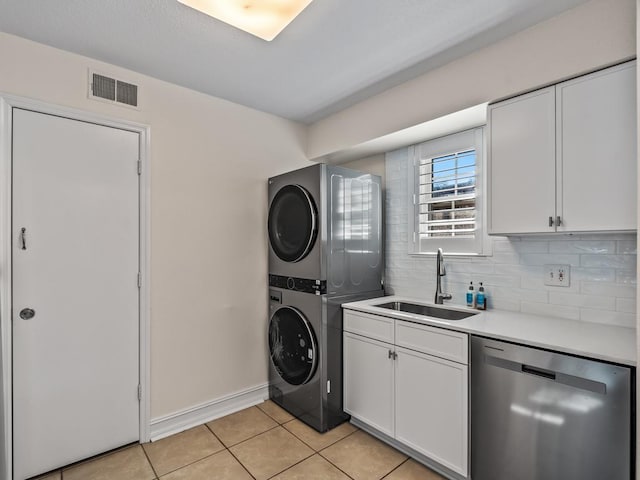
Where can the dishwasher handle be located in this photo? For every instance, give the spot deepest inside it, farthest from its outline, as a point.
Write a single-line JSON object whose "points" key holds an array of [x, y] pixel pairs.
{"points": [[540, 372], [553, 376]]}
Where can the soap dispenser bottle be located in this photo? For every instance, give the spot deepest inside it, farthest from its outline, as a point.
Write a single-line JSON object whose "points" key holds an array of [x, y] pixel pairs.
{"points": [[471, 296], [481, 299]]}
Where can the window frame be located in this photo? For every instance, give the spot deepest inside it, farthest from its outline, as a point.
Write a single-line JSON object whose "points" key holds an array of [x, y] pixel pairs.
{"points": [[480, 245]]}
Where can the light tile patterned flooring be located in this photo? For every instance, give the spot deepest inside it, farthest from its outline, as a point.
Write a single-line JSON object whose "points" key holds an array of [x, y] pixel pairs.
{"points": [[262, 442]]}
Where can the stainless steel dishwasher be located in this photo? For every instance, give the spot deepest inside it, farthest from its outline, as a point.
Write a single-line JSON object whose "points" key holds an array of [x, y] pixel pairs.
{"points": [[540, 415]]}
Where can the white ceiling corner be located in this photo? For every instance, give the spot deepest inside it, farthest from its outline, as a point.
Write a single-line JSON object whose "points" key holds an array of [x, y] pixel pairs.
{"points": [[336, 53]]}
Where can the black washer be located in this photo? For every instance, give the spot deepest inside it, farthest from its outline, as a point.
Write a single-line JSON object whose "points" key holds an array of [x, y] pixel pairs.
{"points": [[292, 346]]}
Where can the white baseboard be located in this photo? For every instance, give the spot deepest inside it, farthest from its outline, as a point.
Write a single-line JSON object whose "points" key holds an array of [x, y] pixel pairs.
{"points": [[167, 425]]}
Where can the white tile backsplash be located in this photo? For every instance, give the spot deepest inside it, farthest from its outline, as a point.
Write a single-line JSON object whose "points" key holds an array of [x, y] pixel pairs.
{"points": [[626, 305], [603, 266]]}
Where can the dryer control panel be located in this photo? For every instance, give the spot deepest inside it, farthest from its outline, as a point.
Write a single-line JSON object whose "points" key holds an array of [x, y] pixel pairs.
{"points": [[304, 285]]}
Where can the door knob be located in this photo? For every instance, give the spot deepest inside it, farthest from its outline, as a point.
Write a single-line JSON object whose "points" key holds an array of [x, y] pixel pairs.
{"points": [[27, 313]]}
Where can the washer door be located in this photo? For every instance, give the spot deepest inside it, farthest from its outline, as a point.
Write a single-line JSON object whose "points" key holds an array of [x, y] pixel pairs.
{"points": [[293, 223], [292, 345]]}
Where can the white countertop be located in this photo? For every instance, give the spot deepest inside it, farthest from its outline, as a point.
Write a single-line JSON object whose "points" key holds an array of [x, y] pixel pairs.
{"points": [[594, 340]]}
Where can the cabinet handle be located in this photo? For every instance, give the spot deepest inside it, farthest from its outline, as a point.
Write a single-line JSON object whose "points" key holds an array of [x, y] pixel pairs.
{"points": [[551, 221], [390, 354], [558, 221]]}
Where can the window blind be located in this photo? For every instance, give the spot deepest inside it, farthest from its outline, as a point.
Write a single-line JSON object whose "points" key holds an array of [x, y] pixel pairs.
{"points": [[447, 195]]}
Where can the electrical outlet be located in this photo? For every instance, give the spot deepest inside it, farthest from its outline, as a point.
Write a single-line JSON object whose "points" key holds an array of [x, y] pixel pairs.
{"points": [[557, 275]]}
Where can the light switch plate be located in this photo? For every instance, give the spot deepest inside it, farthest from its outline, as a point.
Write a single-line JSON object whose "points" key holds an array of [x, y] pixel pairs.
{"points": [[557, 275]]}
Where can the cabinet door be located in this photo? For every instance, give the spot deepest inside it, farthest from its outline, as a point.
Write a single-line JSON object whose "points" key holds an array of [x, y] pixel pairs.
{"points": [[522, 172], [432, 407], [368, 381], [597, 151]]}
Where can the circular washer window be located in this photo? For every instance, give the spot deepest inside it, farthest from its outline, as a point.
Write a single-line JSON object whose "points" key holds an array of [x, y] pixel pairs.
{"points": [[292, 223], [292, 345]]}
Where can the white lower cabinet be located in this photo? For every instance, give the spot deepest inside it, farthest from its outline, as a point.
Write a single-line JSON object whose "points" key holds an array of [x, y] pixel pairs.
{"points": [[431, 407], [369, 373], [409, 394]]}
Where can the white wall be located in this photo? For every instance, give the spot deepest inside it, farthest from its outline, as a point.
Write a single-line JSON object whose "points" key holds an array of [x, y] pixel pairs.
{"points": [[603, 267], [373, 164], [209, 163], [598, 33]]}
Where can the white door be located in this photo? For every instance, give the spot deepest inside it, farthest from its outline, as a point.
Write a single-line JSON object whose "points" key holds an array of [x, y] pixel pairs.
{"points": [[368, 381], [75, 263]]}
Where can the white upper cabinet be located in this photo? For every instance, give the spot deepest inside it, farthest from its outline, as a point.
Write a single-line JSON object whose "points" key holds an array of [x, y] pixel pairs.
{"points": [[563, 159], [522, 169], [596, 156]]}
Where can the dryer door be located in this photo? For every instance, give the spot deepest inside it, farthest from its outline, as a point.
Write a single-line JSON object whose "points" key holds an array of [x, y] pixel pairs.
{"points": [[292, 345], [293, 223]]}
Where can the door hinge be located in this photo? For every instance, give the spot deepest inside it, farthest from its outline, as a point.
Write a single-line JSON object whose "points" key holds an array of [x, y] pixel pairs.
{"points": [[328, 386], [139, 280], [139, 392], [139, 167]]}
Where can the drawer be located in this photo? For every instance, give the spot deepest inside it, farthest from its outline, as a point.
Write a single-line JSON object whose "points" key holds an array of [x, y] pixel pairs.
{"points": [[372, 326], [433, 341]]}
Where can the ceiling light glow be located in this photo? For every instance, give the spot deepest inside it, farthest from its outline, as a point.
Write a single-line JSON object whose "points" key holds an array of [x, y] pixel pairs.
{"points": [[262, 18]]}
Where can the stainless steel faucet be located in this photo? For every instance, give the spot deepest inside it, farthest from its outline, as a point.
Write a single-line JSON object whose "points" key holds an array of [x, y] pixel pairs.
{"points": [[440, 272]]}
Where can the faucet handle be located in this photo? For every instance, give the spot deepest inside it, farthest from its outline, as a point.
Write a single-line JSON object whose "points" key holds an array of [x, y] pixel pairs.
{"points": [[442, 296]]}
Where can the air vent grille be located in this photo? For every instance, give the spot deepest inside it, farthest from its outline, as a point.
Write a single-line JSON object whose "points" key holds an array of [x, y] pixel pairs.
{"points": [[127, 93], [112, 90], [104, 87]]}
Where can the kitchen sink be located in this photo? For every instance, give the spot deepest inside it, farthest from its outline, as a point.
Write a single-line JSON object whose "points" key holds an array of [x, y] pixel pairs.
{"points": [[426, 310]]}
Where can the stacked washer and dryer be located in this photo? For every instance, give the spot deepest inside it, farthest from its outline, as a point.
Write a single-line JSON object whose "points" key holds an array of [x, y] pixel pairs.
{"points": [[325, 249]]}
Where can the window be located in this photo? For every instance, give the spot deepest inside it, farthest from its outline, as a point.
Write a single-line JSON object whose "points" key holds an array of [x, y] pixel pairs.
{"points": [[446, 194]]}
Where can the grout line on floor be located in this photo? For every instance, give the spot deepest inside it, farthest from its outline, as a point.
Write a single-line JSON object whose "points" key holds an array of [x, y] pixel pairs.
{"points": [[323, 448], [155, 473], [241, 464], [298, 438], [206, 424], [393, 470], [192, 463], [246, 439], [336, 466], [331, 463], [274, 418], [343, 438], [297, 463]]}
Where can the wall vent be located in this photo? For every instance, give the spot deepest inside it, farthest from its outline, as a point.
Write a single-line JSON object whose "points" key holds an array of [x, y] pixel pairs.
{"points": [[111, 90]]}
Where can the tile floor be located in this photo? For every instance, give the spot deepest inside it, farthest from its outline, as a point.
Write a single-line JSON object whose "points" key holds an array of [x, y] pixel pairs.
{"points": [[259, 443]]}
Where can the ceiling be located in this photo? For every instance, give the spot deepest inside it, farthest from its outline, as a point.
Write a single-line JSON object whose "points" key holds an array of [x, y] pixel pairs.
{"points": [[336, 53]]}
